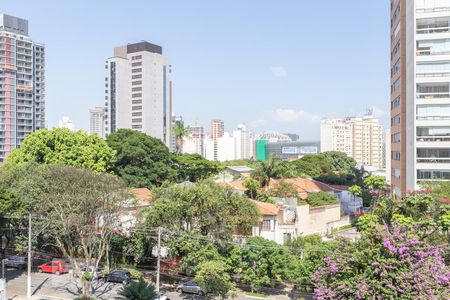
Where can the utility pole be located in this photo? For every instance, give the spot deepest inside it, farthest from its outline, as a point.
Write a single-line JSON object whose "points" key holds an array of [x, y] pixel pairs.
{"points": [[29, 257], [158, 263]]}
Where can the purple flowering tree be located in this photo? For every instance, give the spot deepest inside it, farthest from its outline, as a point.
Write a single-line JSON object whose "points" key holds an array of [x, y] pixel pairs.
{"points": [[390, 264]]}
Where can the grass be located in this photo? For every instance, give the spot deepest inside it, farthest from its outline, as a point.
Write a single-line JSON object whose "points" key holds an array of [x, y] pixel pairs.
{"points": [[341, 228], [260, 295]]}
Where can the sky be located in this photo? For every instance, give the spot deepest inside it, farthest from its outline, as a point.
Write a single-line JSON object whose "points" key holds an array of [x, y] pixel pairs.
{"points": [[272, 65]]}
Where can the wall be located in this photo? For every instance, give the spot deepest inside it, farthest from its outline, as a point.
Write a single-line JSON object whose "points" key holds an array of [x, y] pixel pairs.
{"points": [[315, 220]]}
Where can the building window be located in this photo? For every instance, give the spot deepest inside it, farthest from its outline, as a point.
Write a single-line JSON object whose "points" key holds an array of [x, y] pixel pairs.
{"points": [[395, 103], [136, 89], [395, 68], [136, 114], [395, 120], [136, 82], [136, 64], [138, 70], [136, 126], [137, 76], [136, 120], [139, 95], [139, 101], [396, 86], [395, 155], [395, 138], [265, 225], [136, 57], [136, 108]]}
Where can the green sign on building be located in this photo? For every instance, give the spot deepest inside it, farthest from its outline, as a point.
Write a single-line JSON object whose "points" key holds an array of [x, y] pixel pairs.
{"points": [[261, 153]]}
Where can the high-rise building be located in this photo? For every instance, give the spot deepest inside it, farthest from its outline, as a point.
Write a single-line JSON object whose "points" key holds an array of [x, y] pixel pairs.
{"points": [[358, 137], [97, 121], [22, 84], [420, 92], [193, 143], [66, 122], [244, 143], [139, 91], [217, 129], [176, 120]]}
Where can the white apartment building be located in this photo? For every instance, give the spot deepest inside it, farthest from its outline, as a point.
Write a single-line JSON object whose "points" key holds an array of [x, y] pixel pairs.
{"points": [[358, 137], [97, 121], [243, 143], [139, 91], [193, 143], [420, 92], [22, 84], [66, 122]]}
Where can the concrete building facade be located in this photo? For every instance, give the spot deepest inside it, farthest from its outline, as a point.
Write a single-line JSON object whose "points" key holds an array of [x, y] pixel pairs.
{"points": [[66, 122], [97, 117], [22, 84], [420, 93], [217, 129], [139, 91], [358, 137]]}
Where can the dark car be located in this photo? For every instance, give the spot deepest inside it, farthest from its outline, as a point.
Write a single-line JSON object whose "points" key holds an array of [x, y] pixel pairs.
{"points": [[19, 262], [190, 287], [118, 276]]}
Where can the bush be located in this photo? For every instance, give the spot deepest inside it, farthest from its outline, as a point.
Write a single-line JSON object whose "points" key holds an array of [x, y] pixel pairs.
{"points": [[321, 198]]}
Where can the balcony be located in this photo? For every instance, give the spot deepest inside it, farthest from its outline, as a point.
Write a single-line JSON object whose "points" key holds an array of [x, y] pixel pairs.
{"points": [[443, 138]]}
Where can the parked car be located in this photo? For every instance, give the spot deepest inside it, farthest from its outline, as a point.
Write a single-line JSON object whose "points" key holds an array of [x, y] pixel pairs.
{"points": [[120, 276], [56, 267], [190, 287], [19, 262]]}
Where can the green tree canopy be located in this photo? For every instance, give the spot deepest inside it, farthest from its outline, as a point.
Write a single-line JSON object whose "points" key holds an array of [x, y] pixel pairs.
{"points": [[204, 208], [138, 290], [321, 198], [142, 161], [62, 146], [193, 167], [214, 279], [313, 165], [340, 161], [267, 170]]}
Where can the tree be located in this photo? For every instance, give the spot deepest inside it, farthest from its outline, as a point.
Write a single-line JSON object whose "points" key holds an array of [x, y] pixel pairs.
{"points": [[83, 208], [313, 165], [214, 280], [284, 189], [267, 170], [194, 167], [261, 262], [252, 185], [355, 190], [389, 264], [321, 198], [138, 290], [62, 146], [180, 132], [340, 161], [142, 161], [205, 208]]}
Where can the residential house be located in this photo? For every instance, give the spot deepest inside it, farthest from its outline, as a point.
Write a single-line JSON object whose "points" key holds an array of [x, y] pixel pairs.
{"points": [[141, 199]]}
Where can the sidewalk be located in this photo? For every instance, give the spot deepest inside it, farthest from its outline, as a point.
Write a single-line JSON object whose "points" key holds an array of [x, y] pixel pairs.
{"points": [[37, 297]]}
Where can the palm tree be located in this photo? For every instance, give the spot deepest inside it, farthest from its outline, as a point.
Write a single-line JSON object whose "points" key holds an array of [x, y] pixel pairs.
{"points": [[138, 290], [180, 132], [267, 170]]}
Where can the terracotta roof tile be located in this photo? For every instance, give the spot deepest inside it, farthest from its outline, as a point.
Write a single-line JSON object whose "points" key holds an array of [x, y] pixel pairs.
{"points": [[266, 209], [143, 195]]}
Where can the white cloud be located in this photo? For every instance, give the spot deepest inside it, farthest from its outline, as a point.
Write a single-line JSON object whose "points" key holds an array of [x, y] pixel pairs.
{"points": [[279, 71], [292, 116], [259, 123]]}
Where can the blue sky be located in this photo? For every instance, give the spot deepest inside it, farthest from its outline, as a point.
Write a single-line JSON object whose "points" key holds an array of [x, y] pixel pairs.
{"points": [[273, 65]]}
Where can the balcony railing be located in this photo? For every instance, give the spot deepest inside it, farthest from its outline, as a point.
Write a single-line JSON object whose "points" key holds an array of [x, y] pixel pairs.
{"points": [[433, 160], [433, 118], [428, 51], [432, 30], [437, 74], [432, 9], [436, 138], [433, 95]]}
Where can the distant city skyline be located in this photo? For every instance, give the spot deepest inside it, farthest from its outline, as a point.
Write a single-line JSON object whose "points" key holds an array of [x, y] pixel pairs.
{"points": [[285, 80]]}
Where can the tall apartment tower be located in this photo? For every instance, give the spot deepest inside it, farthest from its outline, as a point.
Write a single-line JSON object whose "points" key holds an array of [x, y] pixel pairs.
{"points": [[420, 93], [97, 121], [139, 91], [22, 84], [217, 129], [358, 137]]}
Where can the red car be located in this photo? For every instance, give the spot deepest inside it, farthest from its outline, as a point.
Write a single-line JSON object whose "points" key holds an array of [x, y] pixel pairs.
{"points": [[57, 267]]}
